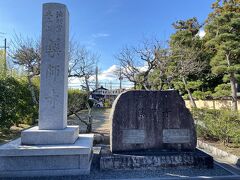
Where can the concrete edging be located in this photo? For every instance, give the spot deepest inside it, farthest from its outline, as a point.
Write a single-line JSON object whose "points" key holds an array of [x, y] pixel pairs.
{"points": [[219, 153]]}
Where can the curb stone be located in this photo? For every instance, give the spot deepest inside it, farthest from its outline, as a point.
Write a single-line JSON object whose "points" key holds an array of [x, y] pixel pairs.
{"points": [[219, 153]]}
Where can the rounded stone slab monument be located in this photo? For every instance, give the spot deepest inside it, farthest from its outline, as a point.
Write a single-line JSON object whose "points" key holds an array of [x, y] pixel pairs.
{"points": [[151, 120], [52, 147], [150, 130]]}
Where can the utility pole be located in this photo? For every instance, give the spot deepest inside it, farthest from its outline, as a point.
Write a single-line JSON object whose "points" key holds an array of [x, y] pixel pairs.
{"points": [[5, 57], [110, 85], [120, 79], [96, 86]]}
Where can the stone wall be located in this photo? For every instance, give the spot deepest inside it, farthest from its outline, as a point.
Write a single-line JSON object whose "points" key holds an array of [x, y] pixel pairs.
{"points": [[212, 104]]}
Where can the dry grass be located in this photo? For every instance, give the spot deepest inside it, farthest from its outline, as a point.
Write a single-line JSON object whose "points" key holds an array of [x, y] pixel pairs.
{"points": [[7, 135]]}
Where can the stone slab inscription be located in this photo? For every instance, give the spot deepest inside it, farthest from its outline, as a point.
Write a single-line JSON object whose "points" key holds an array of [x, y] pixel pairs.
{"points": [[133, 136], [176, 136], [151, 120]]}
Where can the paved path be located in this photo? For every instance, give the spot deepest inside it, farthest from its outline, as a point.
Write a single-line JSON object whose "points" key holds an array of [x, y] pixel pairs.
{"points": [[100, 120], [101, 123]]}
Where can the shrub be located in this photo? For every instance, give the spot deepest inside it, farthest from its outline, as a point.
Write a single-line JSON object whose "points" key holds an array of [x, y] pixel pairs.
{"points": [[202, 95], [223, 125], [91, 103], [16, 105], [77, 101], [107, 103], [222, 90]]}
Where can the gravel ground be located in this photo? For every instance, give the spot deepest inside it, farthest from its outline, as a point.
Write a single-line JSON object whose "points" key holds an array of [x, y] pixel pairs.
{"points": [[166, 172], [140, 174]]}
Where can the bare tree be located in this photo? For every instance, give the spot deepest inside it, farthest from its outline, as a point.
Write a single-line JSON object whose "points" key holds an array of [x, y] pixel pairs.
{"points": [[186, 62], [82, 63], [138, 62], [76, 103], [128, 65], [118, 75], [163, 61], [26, 52]]}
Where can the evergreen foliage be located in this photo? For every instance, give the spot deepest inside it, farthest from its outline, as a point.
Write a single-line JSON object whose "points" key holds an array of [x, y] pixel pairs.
{"points": [[223, 41], [16, 104], [222, 125]]}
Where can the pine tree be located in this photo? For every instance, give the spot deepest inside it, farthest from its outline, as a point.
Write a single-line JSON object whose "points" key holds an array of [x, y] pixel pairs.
{"points": [[2, 63], [186, 50], [223, 40]]}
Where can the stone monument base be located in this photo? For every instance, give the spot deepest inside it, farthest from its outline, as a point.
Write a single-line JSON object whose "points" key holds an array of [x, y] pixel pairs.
{"points": [[155, 159], [18, 160], [36, 136]]}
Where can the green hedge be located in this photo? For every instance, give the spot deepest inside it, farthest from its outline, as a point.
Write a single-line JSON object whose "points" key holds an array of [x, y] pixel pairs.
{"points": [[223, 125], [77, 100], [16, 105]]}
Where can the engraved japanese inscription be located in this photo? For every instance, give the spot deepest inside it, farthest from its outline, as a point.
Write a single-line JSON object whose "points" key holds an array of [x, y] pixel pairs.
{"points": [[52, 98], [53, 47], [52, 72], [54, 20], [133, 136], [176, 136]]}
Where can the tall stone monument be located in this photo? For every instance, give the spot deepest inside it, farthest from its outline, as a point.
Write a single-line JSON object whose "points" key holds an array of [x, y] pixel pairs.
{"points": [[150, 130], [54, 81], [52, 147], [54, 67]]}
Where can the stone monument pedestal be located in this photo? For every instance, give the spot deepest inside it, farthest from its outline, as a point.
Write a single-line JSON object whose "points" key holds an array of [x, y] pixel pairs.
{"points": [[18, 160], [52, 148], [36, 136], [153, 160]]}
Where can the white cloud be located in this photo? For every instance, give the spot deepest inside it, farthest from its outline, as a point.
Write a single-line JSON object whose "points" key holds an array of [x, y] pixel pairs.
{"points": [[109, 74], [74, 80], [143, 68], [201, 33], [91, 42], [100, 35], [105, 77]]}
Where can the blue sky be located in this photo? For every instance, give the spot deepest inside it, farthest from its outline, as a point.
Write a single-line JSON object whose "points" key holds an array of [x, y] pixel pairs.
{"points": [[105, 26]]}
